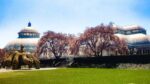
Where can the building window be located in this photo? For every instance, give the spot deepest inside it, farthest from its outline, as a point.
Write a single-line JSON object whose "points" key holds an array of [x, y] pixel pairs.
{"points": [[27, 34], [128, 32], [119, 31], [33, 34], [135, 31]]}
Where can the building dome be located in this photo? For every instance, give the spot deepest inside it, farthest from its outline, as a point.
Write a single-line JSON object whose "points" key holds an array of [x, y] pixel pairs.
{"points": [[28, 37], [129, 30], [28, 32], [137, 39], [29, 44], [121, 36], [134, 38], [133, 27], [28, 29]]}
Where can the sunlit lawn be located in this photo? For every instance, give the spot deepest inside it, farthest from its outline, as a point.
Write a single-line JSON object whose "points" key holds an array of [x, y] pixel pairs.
{"points": [[77, 76]]}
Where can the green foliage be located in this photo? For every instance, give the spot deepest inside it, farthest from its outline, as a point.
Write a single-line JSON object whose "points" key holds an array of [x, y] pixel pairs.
{"points": [[77, 76]]}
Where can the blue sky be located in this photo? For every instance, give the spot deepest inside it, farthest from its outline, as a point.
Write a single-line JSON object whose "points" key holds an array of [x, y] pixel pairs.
{"points": [[69, 16]]}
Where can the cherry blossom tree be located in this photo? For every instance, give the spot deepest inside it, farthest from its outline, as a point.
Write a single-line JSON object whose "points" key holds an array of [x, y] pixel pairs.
{"points": [[55, 43], [73, 44], [100, 38], [121, 47]]}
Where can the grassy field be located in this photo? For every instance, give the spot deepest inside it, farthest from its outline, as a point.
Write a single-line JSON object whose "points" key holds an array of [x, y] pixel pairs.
{"points": [[77, 76]]}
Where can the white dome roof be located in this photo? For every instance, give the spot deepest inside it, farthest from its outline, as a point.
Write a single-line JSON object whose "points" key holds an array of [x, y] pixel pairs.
{"points": [[134, 38], [121, 36], [132, 27], [29, 29], [24, 41], [28, 43]]}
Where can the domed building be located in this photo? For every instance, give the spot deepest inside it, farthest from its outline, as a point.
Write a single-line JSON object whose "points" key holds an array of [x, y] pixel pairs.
{"points": [[136, 38], [28, 37]]}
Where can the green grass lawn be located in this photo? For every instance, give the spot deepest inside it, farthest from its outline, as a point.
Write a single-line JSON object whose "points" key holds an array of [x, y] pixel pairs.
{"points": [[77, 76]]}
